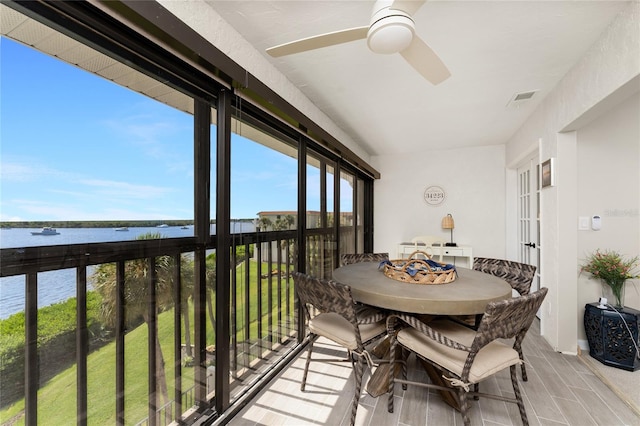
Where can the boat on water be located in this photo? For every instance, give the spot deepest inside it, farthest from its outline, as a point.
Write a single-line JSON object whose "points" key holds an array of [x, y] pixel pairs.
{"points": [[164, 225], [123, 228], [47, 230]]}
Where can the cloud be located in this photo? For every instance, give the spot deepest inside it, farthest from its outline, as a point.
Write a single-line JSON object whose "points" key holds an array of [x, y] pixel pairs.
{"points": [[4, 218], [33, 191], [16, 172], [39, 210], [25, 171], [124, 189], [287, 181], [145, 130]]}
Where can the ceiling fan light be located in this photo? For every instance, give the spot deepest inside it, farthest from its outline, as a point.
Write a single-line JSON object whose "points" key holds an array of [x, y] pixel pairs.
{"points": [[391, 34]]}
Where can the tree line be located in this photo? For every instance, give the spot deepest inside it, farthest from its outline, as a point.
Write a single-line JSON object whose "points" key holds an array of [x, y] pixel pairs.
{"points": [[102, 223]]}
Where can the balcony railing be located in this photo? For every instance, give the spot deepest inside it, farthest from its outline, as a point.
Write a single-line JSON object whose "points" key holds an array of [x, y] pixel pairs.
{"points": [[179, 338]]}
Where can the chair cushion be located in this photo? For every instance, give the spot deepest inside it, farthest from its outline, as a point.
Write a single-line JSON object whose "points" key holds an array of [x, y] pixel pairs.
{"points": [[490, 359], [335, 327]]}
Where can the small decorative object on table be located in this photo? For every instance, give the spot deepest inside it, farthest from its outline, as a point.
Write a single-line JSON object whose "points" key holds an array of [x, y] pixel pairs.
{"points": [[419, 271], [613, 270]]}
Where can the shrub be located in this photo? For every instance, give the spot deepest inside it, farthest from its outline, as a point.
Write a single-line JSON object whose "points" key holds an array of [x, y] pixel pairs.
{"points": [[56, 334]]}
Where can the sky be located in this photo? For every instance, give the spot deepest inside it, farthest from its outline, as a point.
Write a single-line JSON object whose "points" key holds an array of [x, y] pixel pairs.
{"points": [[74, 146]]}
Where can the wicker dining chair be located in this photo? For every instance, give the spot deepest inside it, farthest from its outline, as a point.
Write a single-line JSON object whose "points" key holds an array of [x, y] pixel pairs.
{"points": [[518, 275], [465, 356], [350, 258], [365, 313], [334, 317]]}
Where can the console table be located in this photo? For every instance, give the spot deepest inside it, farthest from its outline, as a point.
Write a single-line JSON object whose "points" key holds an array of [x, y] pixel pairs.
{"points": [[406, 248], [608, 337]]}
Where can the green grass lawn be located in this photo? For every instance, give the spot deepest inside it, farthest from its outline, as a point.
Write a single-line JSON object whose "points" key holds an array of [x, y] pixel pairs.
{"points": [[57, 398]]}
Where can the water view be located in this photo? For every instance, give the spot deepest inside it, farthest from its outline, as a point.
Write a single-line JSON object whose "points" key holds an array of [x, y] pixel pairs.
{"points": [[57, 286]]}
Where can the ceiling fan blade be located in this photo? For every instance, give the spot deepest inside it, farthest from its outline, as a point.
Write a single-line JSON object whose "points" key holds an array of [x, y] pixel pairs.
{"points": [[408, 6], [319, 41], [425, 61]]}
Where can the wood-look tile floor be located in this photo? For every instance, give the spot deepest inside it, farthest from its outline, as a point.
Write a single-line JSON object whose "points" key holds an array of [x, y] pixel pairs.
{"points": [[560, 391]]}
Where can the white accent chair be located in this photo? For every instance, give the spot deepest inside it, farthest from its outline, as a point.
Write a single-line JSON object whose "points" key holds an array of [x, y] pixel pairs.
{"points": [[426, 243]]}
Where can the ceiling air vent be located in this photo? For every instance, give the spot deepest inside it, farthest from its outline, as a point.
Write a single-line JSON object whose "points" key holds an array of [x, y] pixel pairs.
{"points": [[520, 98]]}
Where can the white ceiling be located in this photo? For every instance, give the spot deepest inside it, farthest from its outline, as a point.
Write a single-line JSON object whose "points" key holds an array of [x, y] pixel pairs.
{"points": [[494, 50]]}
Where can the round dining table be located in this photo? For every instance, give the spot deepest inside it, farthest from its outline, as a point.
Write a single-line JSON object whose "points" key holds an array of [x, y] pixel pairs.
{"points": [[468, 294]]}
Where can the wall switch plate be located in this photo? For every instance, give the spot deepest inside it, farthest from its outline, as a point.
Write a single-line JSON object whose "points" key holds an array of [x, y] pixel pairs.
{"points": [[583, 223]]}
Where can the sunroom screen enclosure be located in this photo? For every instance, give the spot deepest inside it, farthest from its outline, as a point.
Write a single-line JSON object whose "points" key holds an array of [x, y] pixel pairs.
{"points": [[193, 323]]}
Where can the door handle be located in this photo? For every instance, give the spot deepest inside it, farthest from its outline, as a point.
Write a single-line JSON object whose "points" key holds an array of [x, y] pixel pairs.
{"points": [[532, 245]]}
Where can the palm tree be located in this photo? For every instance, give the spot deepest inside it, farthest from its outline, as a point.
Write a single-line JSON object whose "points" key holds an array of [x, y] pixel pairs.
{"points": [[283, 223], [210, 275], [186, 293], [289, 220], [264, 223], [136, 297]]}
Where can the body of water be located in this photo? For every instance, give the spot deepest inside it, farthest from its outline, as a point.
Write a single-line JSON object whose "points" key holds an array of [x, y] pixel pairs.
{"points": [[57, 286]]}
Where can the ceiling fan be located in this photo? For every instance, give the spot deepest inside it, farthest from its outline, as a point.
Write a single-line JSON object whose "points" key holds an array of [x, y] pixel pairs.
{"points": [[391, 30]]}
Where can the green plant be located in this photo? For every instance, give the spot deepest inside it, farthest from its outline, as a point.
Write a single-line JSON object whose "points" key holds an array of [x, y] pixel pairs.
{"points": [[610, 267]]}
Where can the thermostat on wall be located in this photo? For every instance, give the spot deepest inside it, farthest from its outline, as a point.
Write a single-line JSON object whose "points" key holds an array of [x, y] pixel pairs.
{"points": [[596, 223]]}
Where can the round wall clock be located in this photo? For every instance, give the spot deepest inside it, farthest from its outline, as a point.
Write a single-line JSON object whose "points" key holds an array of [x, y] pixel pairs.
{"points": [[434, 195]]}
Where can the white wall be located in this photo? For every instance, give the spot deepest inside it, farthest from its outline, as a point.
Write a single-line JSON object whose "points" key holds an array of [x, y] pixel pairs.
{"points": [[609, 186], [474, 182], [612, 64]]}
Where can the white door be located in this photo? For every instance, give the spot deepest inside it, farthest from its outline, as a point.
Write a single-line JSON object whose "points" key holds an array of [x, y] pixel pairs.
{"points": [[529, 216]]}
